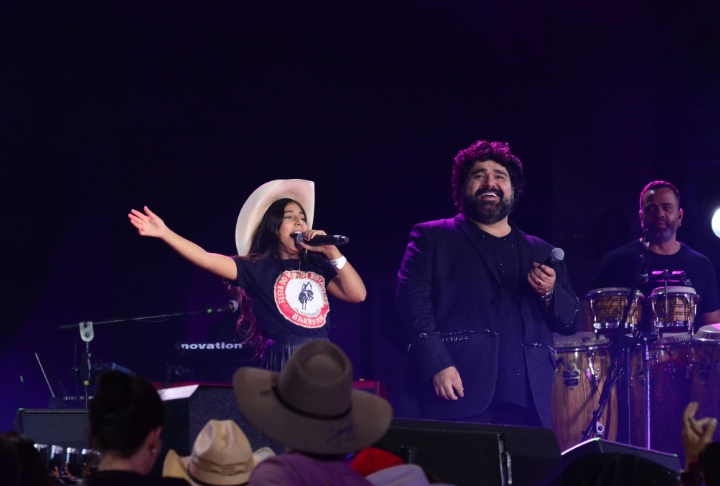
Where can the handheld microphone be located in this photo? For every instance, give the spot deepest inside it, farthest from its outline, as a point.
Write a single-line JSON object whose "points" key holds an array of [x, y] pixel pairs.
{"points": [[556, 255], [230, 306], [335, 240]]}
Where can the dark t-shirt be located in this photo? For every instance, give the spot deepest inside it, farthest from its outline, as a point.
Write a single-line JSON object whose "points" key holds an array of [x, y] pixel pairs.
{"points": [[123, 478], [288, 297], [618, 269], [504, 252]]}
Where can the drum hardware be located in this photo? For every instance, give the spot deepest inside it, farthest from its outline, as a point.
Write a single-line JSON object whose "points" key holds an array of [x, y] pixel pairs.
{"points": [[621, 366], [593, 378]]}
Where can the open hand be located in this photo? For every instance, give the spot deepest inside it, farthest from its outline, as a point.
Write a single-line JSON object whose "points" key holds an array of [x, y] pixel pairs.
{"points": [[447, 383], [148, 224]]}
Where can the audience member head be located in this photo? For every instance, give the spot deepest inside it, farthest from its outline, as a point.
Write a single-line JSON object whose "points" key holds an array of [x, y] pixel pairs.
{"points": [[311, 406], [33, 469], [10, 467], [220, 456], [710, 458], [126, 419]]}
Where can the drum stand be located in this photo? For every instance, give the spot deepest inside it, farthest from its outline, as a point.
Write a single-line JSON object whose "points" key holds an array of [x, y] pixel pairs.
{"points": [[624, 350]]}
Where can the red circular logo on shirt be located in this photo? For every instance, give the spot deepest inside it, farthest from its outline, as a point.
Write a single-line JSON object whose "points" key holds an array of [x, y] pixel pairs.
{"points": [[301, 298]]}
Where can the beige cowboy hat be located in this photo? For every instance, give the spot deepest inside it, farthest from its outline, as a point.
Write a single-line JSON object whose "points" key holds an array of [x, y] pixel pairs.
{"points": [[260, 200], [221, 456], [311, 406]]}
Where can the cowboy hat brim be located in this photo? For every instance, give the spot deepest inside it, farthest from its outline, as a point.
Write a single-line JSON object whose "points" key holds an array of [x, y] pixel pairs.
{"points": [[260, 200], [176, 466], [366, 423]]}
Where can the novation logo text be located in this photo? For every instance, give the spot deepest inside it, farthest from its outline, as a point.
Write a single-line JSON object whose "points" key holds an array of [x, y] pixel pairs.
{"points": [[209, 346]]}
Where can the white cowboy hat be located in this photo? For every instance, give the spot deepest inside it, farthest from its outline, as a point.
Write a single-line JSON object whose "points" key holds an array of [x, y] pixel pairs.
{"points": [[260, 200], [221, 456], [311, 406]]}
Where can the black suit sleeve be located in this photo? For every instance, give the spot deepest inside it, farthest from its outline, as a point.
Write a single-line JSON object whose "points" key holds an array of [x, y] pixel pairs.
{"points": [[566, 311], [427, 353]]}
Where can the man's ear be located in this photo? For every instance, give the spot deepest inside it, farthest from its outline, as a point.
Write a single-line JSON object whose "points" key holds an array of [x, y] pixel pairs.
{"points": [[680, 217], [640, 215]]}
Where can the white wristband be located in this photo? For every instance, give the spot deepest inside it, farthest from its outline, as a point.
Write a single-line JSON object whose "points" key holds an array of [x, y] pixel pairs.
{"points": [[339, 263]]}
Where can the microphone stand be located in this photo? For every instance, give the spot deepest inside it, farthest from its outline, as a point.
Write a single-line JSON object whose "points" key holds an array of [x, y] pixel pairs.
{"points": [[620, 344], [87, 334]]}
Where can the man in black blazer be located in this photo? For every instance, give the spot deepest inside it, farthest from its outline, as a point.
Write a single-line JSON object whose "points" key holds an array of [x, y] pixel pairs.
{"points": [[478, 308]]}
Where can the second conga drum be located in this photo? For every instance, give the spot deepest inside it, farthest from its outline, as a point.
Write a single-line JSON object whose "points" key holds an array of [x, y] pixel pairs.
{"points": [[670, 381], [706, 367], [583, 361]]}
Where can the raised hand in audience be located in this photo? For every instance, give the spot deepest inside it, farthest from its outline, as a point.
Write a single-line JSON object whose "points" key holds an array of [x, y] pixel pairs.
{"points": [[696, 435]]}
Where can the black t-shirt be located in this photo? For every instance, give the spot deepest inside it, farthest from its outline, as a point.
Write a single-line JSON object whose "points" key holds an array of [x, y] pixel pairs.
{"points": [[124, 478], [504, 253], [618, 269], [288, 297]]}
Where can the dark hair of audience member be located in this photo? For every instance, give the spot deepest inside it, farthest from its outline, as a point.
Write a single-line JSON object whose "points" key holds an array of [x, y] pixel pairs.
{"points": [[122, 414], [9, 463], [33, 469], [710, 458]]}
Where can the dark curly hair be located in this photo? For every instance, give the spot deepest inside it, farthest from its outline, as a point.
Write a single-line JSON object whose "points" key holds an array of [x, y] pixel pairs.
{"points": [[482, 151], [659, 185]]}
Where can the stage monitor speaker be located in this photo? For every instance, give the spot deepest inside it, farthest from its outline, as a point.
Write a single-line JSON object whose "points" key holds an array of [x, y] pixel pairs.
{"points": [[467, 454], [598, 446], [66, 428]]}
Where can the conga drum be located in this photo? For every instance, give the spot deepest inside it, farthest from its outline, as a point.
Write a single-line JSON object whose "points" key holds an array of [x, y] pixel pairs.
{"points": [[670, 384], [674, 312], [583, 360], [607, 306], [706, 375]]}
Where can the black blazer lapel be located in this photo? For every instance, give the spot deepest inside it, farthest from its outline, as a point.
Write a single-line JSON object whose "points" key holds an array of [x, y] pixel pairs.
{"points": [[463, 225]]}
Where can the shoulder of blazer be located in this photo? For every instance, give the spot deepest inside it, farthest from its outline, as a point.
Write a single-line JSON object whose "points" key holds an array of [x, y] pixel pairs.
{"points": [[438, 225]]}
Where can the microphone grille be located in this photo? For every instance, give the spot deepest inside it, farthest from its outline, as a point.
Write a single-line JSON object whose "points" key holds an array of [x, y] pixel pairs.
{"points": [[558, 254]]}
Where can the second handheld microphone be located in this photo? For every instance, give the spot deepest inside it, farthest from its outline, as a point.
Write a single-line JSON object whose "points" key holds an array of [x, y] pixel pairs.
{"points": [[556, 255]]}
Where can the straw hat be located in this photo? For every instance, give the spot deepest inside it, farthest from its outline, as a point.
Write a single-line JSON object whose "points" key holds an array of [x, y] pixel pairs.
{"points": [[259, 201], [311, 406], [221, 456]]}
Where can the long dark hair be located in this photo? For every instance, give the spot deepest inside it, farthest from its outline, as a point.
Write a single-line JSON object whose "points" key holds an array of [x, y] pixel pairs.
{"points": [[124, 411], [266, 238]]}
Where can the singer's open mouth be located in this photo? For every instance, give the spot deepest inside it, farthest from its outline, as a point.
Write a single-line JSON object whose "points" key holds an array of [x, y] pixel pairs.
{"points": [[489, 196]]}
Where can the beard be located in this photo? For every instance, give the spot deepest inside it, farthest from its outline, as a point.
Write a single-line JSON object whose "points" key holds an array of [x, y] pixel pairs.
{"points": [[487, 212], [661, 235]]}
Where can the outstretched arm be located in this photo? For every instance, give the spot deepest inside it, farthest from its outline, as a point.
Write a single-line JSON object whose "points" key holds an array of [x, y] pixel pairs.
{"points": [[149, 224]]}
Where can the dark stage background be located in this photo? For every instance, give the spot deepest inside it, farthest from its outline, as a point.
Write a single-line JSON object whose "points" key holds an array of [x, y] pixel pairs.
{"points": [[187, 107]]}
